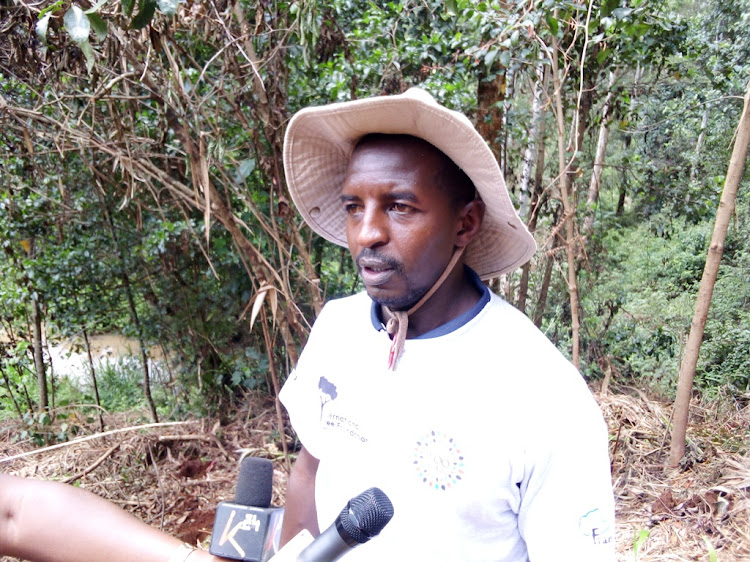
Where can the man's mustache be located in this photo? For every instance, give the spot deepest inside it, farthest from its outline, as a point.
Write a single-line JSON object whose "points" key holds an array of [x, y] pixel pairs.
{"points": [[373, 257]]}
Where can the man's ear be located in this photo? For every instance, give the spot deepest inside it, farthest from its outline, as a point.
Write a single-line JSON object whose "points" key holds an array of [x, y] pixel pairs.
{"points": [[470, 220]]}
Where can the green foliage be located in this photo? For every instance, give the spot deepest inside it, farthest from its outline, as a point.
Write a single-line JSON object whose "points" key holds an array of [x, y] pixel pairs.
{"points": [[82, 228]]}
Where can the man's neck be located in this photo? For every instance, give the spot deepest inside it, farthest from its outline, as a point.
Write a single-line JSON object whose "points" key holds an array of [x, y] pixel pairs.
{"points": [[455, 296]]}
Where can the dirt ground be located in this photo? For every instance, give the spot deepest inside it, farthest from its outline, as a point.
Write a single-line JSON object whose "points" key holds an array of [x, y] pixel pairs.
{"points": [[173, 475]]}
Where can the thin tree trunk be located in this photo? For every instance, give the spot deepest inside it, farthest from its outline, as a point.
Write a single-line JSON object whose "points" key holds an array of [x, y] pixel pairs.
{"points": [[10, 393], [131, 307], [489, 114], [541, 301], [537, 194], [276, 387], [51, 378], [601, 153], [41, 375], [699, 144], [93, 378], [529, 155], [509, 92], [710, 272], [568, 207]]}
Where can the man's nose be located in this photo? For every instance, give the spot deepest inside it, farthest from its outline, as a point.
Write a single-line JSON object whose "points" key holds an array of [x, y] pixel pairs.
{"points": [[372, 229]]}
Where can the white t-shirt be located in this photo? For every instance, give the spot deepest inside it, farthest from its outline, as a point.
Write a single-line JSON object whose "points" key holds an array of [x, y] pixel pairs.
{"points": [[486, 439]]}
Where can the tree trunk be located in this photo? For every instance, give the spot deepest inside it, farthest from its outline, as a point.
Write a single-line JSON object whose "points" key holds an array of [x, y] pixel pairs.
{"points": [[276, 386], [601, 153], [489, 116], [710, 272], [537, 193], [131, 307], [699, 144], [541, 301], [568, 216], [41, 375], [529, 155]]}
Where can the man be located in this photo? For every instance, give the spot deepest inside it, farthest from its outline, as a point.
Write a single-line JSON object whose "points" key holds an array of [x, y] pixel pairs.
{"points": [[428, 386]]}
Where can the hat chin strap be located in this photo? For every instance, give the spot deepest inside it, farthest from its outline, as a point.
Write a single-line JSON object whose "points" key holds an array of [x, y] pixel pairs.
{"points": [[398, 320]]}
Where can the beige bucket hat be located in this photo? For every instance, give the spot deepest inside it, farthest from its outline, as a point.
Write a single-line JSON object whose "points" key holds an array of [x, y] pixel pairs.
{"points": [[319, 143]]}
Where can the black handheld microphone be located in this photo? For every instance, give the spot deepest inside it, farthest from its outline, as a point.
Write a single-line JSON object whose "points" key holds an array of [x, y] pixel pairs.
{"points": [[244, 529], [362, 518]]}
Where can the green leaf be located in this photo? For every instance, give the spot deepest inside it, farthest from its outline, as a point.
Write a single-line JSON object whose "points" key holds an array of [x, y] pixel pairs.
{"points": [[146, 10], [127, 7], [88, 52], [602, 55], [505, 59], [608, 6], [489, 58], [99, 26], [52, 8], [451, 7], [621, 13], [553, 25]]}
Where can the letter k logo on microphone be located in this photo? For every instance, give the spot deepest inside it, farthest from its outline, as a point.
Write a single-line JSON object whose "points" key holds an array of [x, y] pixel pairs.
{"points": [[249, 523]]}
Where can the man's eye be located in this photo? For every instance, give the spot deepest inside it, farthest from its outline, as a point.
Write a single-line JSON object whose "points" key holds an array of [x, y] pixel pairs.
{"points": [[352, 208], [401, 208]]}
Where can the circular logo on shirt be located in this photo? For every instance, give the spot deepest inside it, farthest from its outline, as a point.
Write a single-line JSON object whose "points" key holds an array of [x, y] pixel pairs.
{"points": [[438, 461]]}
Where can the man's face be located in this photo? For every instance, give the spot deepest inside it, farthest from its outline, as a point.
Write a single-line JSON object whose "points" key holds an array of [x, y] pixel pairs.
{"points": [[400, 227]]}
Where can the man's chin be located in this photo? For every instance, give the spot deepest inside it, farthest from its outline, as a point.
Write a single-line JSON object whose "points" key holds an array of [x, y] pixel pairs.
{"points": [[395, 302]]}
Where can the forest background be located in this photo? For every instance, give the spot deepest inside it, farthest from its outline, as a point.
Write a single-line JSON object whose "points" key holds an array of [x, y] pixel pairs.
{"points": [[142, 190]]}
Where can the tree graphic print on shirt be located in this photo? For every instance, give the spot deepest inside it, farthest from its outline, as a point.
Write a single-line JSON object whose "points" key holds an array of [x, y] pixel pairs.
{"points": [[327, 393]]}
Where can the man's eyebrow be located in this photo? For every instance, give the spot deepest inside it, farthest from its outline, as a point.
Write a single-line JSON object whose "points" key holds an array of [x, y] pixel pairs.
{"points": [[392, 196], [403, 196]]}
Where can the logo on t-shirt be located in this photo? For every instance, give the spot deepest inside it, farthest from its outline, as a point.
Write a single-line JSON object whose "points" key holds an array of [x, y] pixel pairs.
{"points": [[596, 525], [333, 420], [438, 461], [327, 393]]}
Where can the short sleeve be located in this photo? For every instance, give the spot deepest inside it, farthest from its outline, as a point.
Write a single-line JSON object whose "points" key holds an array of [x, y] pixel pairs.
{"points": [[567, 506]]}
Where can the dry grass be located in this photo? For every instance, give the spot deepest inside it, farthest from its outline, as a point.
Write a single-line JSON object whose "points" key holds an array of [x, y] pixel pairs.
{"points": [[687, 512], [173, 476]]}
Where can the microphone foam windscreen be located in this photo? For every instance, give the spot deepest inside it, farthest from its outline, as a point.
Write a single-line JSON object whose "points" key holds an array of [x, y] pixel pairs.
{"points": [[366, 515], [255, 482]]}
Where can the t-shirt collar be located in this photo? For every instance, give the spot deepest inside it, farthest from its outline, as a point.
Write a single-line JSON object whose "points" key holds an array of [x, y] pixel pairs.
{"points": [[451, 325]]}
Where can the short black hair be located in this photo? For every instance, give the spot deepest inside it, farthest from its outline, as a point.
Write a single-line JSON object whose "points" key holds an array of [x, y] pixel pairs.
{"points": [[449, 178]]}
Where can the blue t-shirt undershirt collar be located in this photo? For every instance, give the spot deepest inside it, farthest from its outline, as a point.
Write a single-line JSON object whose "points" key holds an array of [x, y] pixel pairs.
{"points": [[451, 325]]}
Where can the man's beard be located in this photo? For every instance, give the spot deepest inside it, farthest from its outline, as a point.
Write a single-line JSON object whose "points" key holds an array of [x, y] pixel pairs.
{"points": [[398, 302]]}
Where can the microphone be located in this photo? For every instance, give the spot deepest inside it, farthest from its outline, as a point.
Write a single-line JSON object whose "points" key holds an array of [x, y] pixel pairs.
{"points": [[363, 518], [246, 528]]}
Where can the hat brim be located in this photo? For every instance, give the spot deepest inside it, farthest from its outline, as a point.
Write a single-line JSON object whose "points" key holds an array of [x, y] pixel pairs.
{"points": [[319, 142]]}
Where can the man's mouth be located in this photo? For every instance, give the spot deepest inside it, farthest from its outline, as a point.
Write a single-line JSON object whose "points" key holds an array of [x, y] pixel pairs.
{"points": [[375, 272]]}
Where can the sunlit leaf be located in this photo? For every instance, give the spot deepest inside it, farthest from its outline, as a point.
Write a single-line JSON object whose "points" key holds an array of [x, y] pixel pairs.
{"points": [[41, 29], [167, 7], [95, 8], [259, 298], [77, 24]]}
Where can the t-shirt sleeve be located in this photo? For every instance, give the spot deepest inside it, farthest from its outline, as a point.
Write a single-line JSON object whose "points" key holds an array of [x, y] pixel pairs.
{"points": [[567, 506]]}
